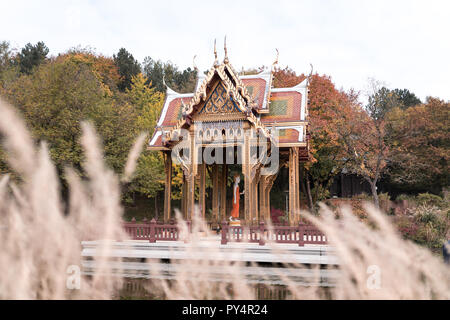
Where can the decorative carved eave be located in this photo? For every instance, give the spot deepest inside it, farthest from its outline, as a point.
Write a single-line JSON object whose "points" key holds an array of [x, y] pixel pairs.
{"points": [[235, 88]]}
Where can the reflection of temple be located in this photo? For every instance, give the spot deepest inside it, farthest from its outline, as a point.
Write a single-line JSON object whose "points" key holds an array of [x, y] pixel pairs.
{"points": [[234, 118]]}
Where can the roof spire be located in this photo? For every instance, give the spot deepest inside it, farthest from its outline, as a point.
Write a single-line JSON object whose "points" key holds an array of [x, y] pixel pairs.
{"points": [[276, 59], [216, 62], [169, 90], [308, 78], [225, 49]]}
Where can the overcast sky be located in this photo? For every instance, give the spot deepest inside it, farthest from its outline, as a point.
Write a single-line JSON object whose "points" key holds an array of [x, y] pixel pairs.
{"points": [[405, 44]]}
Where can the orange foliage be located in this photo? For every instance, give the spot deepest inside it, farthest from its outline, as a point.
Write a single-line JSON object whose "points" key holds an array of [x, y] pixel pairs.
{"points": [[103, 67], [326, 106]]}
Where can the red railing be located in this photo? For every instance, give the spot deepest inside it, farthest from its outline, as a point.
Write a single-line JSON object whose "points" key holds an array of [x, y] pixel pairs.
{"points": [[300, 234], [153, 231]]}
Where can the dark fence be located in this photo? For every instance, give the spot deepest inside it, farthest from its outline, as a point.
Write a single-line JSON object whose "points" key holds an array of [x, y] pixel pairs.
{"points": [[300, 234]]}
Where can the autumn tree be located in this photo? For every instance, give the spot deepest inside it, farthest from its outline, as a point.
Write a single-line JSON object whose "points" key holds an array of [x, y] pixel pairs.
{"points": [[326, 105], [365, 136], [6, 55], [60, 94], [9, 70], [420, 146], [31, 56], [103, 67]]}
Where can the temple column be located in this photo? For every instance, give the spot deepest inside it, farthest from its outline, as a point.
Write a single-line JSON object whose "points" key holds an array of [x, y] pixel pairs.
{"points": [[202, 193], [191, 172], [215, 192], [293, 185], [190, 195], [262, 198], [269, 184], [265, 185], [168, 185], [297, 183], [255, 183], [184, 196], [247, 176]]}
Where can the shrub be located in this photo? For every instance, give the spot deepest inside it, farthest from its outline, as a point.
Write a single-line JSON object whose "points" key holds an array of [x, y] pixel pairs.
{"points": [[384, 196], [430, 199], [433, 225], [363, 196]]}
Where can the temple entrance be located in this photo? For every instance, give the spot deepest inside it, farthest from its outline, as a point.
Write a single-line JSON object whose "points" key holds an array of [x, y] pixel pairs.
{"points": [[232, 126]]}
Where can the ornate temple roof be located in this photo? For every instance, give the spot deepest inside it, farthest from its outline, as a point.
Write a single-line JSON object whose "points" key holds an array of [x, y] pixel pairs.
{"points": [[284, 109]]}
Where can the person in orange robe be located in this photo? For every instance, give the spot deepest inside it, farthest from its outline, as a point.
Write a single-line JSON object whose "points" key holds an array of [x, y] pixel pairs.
{"points": [[236, 196]]}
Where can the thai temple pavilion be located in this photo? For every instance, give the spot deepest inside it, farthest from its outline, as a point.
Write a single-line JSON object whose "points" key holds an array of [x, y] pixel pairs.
{"points": [[230, 117]]}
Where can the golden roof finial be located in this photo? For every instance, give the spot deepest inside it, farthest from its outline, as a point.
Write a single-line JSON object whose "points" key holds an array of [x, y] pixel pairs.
{"points": [[216, 62], [225, 49]]}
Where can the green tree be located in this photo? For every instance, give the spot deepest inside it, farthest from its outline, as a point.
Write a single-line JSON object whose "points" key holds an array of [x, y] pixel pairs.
{"points": [[149, 176], [180, 81], [6, 55], [31, 56], [128, 68], [60, 94], [406, 98], [9, 71]]}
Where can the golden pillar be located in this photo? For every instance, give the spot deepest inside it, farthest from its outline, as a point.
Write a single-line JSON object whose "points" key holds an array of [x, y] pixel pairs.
{"points": [[256, 216], [202, 193], [269, 183], [184, 196], [247, 177], [191, 172], [294, 193], [262, 198]]}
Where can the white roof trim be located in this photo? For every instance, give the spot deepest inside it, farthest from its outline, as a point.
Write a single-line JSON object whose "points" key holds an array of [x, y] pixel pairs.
{"points": [[200, 78], [264, 75], [169, 98], [155, 137]]}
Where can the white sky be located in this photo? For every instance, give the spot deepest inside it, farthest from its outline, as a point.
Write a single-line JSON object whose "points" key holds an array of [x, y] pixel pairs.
{"points": [[405, 44]]}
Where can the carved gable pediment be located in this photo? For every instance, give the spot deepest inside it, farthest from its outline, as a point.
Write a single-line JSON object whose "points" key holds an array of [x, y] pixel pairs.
{"points": [[219, 105]]}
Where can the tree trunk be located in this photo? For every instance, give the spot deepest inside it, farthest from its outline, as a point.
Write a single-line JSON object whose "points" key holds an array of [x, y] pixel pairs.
{"points": [[373, 188]]}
